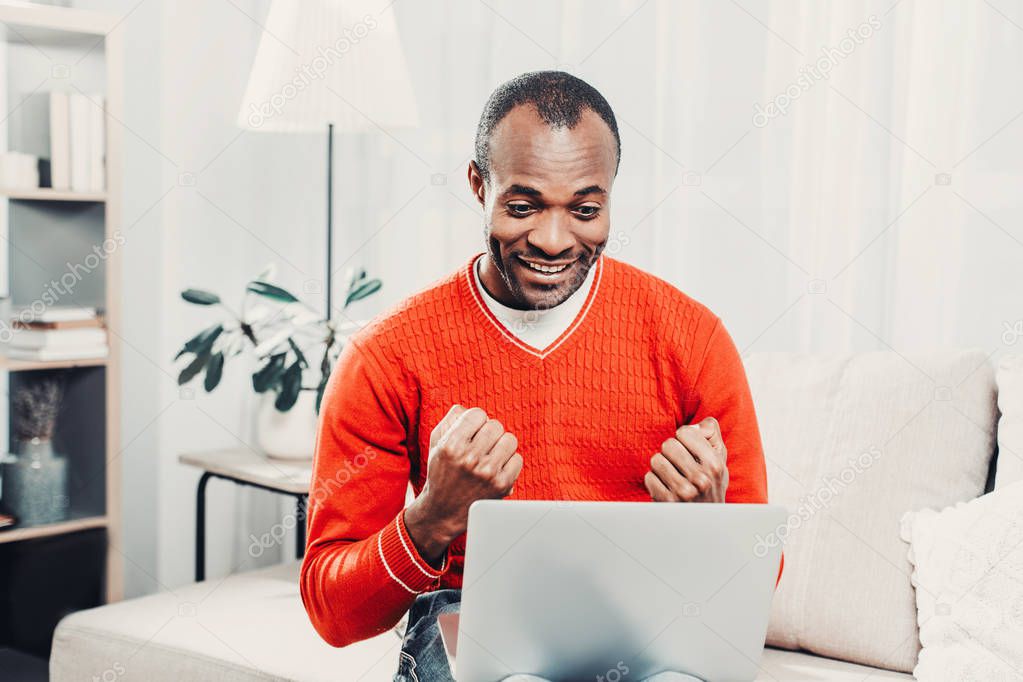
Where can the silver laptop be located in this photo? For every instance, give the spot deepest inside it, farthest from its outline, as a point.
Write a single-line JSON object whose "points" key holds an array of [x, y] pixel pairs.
{"points": [[614, 590]]}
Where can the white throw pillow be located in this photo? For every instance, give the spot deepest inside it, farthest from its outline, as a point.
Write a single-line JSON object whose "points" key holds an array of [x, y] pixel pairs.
{"points": [[969, 587], [852, 443], [1010, 424]]}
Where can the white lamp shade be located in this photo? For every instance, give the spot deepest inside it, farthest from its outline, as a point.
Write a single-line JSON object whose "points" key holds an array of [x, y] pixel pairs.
{"points": [[329, 61]]}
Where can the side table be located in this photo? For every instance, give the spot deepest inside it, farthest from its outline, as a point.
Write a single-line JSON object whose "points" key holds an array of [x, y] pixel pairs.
{"points": [[246, 467]]}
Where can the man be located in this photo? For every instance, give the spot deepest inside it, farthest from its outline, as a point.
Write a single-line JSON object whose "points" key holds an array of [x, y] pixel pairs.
{"points": [[541, 369]]}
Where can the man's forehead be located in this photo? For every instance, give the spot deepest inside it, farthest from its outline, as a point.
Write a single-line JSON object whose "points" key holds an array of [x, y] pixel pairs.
{"points": [[523, 141]]}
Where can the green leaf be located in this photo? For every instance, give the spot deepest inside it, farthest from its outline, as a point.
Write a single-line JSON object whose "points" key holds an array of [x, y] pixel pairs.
{"points": [[214, 370], [200, 297], [270, 291], [291, 384], [203, 341], [363, 290], [269, 374], [193, 368], [298, 352]]}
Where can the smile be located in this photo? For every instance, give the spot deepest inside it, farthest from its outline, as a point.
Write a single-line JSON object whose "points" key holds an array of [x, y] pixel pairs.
{"points": [[545, 269]]}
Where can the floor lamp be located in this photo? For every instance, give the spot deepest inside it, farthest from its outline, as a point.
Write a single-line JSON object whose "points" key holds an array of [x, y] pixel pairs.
{"points": [[328, 65]]}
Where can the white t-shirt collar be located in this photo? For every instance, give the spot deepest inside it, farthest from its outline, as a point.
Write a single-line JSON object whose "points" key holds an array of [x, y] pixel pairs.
{"points": [[536, 328]]}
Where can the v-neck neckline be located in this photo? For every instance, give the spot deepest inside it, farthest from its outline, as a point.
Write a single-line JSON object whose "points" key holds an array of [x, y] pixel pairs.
{"points": [[491, 321]]}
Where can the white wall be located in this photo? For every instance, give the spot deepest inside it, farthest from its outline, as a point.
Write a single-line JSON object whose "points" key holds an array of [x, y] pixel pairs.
{"points": [[838, 197], [206, 206]]}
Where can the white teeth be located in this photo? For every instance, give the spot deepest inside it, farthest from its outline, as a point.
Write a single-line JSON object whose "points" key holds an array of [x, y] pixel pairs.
{"points": [[546, 269]]}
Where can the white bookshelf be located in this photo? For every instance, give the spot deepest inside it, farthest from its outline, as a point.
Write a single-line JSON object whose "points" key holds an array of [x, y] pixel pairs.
{"points": [[46, 48], [50, 194]]}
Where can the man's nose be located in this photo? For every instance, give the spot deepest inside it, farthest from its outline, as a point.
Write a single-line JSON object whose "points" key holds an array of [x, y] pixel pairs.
{"points": [[552, 237]]}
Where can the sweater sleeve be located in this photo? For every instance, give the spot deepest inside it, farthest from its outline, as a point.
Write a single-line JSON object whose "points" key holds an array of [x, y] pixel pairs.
{"points": [[361, 571], [722, 391]]}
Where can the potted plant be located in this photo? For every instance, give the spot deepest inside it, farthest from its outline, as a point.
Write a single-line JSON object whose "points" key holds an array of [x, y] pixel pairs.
{"points": [[294, 348]]}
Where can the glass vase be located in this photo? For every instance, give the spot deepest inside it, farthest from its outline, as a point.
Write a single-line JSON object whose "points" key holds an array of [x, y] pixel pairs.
{"points": [[34, 483]]}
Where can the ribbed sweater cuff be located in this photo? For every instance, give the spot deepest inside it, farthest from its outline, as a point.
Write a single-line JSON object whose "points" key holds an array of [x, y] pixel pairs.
{"points": [[402, 560]]}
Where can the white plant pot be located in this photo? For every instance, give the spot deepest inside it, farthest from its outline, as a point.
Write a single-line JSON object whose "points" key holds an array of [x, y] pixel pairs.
{"points": [[291, 434]]}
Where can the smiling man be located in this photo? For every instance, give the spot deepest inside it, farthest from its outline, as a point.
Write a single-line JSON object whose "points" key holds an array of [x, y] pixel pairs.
{"points": [[540, 369]]}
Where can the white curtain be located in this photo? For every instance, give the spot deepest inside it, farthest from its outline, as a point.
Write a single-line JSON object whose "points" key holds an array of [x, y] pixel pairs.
{"points": [[879, 211]]}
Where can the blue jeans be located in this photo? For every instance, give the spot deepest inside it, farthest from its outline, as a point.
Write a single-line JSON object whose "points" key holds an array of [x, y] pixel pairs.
{"points": [[422, 657]]}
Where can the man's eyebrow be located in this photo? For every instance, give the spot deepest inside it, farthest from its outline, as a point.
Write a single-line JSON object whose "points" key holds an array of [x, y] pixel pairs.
{"points": [[533, 192], [522, 189]]}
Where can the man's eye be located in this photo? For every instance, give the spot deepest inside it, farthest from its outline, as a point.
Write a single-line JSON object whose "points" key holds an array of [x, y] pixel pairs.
{"points": [[587, 211], [519, 209]]}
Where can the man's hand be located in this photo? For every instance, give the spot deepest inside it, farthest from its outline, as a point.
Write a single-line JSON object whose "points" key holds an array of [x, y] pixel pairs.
{"points": [[691, 466], [471, 458]]}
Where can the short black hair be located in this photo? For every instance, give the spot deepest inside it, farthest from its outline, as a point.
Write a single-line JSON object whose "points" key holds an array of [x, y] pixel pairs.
{"points": [[559, 98]]}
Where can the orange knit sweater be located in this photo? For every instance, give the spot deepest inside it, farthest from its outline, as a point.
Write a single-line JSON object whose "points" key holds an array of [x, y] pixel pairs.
{"points": [[640, 360]]}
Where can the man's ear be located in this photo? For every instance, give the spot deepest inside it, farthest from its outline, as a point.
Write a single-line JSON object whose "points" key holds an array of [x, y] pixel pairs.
{"points": [[476, 183]]}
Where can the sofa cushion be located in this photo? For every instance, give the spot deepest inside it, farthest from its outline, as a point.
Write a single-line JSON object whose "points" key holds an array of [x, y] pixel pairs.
{"points": [[249, 626], [968, 560], [1010, 424], [852, 443]]}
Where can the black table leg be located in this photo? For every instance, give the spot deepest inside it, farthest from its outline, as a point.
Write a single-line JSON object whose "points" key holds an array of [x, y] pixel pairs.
{"points": [[301, 505], [300, 511], [200, 528]]}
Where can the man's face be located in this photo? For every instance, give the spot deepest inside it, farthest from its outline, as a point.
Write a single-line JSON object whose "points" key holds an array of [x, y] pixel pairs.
{"points": [[545, 207]]}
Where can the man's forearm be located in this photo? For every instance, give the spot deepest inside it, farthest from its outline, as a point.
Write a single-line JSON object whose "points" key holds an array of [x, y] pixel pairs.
{"points": [[431, 537]]}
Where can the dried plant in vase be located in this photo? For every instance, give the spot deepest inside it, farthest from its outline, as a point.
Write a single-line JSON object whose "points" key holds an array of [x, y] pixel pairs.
{"points": [[34, 481], [35, 407]]}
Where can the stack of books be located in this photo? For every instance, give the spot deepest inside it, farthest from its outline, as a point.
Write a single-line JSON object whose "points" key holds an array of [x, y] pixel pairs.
{"points": [[70, 333]]}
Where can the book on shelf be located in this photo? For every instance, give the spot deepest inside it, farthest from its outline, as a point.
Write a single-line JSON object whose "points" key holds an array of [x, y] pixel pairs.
{"points": [[79, 141], [59, 324], [19, 170], [60, 140], [54, 354], [54, 339], [97, 144], [56, 314]]}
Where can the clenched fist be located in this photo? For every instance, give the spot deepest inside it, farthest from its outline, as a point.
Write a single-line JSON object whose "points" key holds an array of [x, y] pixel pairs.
{"points": [[471, 458], [691, 466]]}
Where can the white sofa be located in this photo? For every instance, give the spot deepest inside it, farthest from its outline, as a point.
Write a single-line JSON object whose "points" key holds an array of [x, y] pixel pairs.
{"points": [[931, 418], [252, 626]]}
